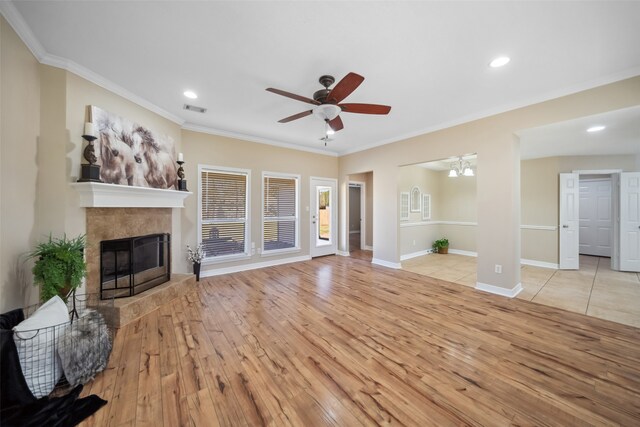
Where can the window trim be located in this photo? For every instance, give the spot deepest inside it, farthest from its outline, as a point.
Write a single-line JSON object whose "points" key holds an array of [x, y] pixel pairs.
{"points": [[271, 252], [426, 206], [415, 203], [247, 232], [407, 195]]}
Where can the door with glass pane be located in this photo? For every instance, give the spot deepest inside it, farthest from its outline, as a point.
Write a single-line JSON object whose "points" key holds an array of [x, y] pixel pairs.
{"points": [[323, 217]]}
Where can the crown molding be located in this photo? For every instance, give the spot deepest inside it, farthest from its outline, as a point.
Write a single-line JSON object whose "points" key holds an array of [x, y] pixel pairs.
{"points": [[17, 22], [591, 84], [97, 79], [253, 138], [15, 19]]}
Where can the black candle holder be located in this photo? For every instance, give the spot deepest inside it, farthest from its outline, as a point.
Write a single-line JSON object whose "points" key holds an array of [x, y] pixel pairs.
{"points": [[89, 172], [182, 183]]}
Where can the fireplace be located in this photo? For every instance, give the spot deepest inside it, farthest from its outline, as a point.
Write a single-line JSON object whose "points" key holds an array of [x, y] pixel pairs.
{"points": [[133, 265]]}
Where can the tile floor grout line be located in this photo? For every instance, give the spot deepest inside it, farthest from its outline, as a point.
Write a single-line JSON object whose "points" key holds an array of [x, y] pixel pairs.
{"points": [[544, 284], [593, 283]]}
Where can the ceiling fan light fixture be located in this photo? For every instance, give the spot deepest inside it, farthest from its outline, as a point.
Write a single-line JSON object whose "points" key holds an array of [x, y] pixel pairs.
{"points": [[327, 111]]}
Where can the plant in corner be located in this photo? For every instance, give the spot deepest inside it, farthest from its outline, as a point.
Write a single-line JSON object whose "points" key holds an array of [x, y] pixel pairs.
{"points": [[196, 256], [59, 267], [441, 246]]}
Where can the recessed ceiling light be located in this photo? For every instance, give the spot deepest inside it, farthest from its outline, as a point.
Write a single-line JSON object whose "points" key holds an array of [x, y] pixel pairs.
{"points": [[597, 128], [190, 94], [499, 61]]}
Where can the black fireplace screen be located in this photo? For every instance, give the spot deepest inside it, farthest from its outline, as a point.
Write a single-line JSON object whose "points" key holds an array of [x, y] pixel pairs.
{"points": [[133, 265]]}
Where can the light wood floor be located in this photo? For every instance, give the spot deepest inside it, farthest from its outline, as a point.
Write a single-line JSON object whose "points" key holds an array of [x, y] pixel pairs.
{"points": [[595, 289], [337, 341]]}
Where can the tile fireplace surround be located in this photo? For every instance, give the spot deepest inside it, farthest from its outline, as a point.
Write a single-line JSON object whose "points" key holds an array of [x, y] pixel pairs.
{"points": [[118, 223], [130, 215]]}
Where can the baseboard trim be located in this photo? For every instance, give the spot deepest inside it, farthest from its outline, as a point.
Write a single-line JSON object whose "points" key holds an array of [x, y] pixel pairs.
{"points": [[542, 264], [461, 252], [368, 248], [253, 266], [383, 263], [497, 290], [415, 254], [343, 253]]}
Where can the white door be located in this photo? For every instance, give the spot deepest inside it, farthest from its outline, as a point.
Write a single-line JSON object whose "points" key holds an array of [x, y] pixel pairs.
{"points": [[569, 220], [630, 221], [324, 209], [596, 220]]}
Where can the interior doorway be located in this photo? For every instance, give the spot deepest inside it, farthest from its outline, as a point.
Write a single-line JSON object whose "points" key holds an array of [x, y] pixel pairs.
{"points": [[620, 237], [357, 215]]}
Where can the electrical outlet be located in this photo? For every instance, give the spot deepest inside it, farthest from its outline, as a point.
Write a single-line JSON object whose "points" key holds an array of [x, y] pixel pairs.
{"points": [[498, 269]]}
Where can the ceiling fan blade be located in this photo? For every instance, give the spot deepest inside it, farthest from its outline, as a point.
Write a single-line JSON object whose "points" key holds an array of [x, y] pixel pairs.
{"points": [[344, 88], [365, 108], [296, 117], [293, 96], [336, 124]]}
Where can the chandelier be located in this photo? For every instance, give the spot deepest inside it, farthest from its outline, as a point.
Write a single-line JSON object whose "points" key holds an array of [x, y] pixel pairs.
{"points": [[460, 168]]}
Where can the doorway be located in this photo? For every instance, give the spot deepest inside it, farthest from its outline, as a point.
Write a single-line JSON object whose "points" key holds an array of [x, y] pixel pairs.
{"points": [[623, 233], [357, 218], [323, 217]]}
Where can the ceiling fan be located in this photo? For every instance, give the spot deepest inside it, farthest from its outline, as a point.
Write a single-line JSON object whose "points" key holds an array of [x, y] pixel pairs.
{"points": [[327, 101]]}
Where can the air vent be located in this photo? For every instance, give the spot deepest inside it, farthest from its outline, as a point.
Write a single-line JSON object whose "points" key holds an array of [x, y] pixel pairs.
{"points": [[194, 108]]}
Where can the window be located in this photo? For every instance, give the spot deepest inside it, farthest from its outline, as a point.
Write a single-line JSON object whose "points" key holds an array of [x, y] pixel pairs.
{"points": [[415, 200], [404, 206], [223, 226], [280, 212], [426, 207]]}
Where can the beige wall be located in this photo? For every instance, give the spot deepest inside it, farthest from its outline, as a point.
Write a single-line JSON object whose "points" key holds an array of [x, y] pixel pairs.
{"points": [[498, 173], [20, 127], [452, 200], [212, 150], [539, 205]]}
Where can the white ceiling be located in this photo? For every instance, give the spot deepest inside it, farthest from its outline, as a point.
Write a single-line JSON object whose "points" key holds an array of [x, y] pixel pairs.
{"points": [[428, 60], [621, 136]]}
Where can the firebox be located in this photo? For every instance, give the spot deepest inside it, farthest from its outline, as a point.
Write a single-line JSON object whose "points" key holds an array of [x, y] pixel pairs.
{"points": [[133, 265]]}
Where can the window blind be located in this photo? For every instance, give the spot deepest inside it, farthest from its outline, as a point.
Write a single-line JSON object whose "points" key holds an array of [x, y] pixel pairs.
{"points": [[223, 212], [280, 213]]}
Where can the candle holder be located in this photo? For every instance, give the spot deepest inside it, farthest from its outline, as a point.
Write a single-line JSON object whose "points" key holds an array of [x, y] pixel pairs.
{"points": [[90, 172], [182, 183]]}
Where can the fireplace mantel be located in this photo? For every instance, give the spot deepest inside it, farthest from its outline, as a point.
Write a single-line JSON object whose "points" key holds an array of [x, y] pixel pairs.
{"points": [[100, 195]]}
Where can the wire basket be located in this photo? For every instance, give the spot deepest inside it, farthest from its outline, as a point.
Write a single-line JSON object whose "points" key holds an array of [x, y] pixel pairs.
{"points": [[69, 353]]}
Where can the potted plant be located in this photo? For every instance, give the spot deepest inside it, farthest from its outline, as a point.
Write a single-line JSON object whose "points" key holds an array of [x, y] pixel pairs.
{"points": [[441, 246], [196, 256], [59, 267]]}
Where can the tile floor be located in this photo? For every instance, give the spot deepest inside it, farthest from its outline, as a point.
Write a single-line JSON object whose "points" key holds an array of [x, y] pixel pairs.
{"points": [[594, 290]]}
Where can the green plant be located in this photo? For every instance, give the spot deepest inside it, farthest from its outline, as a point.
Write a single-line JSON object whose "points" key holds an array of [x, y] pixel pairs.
{"points": [[59, 267], [440, 243]]}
